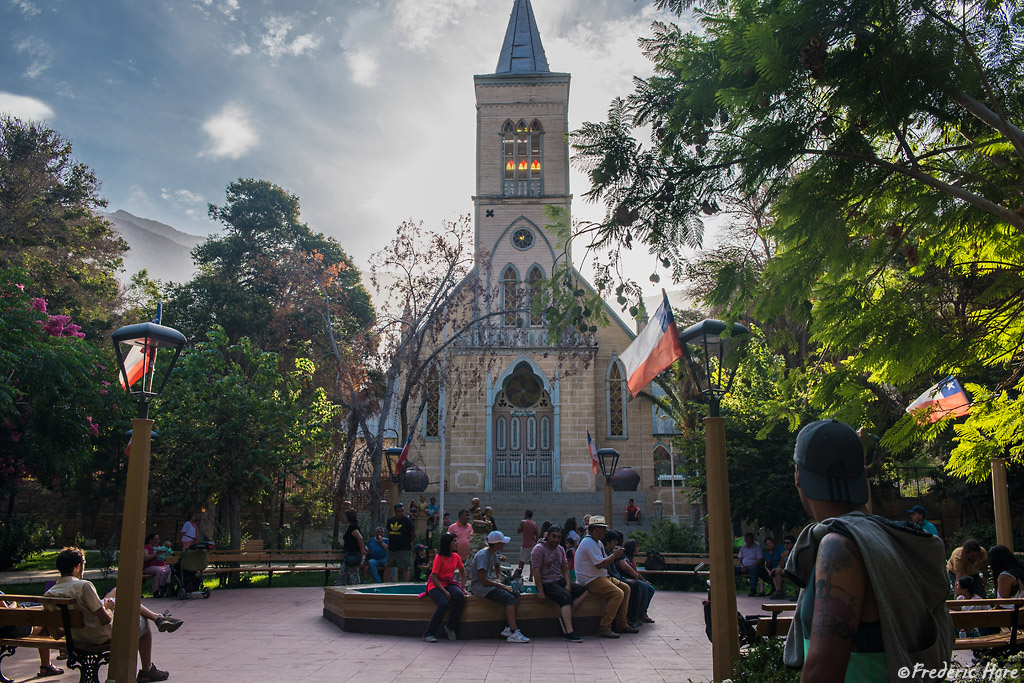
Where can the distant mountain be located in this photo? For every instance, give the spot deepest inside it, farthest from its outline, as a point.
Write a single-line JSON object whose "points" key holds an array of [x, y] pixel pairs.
{"points": [[165, 252]]}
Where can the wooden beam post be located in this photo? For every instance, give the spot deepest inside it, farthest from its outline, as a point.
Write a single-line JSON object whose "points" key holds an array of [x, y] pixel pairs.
{"points": [[1001, 503], [124, 642], [725, 637]]}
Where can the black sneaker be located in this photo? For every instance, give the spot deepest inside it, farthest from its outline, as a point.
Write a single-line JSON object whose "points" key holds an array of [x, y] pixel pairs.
{"points": [[573, 638], [154, 674]]}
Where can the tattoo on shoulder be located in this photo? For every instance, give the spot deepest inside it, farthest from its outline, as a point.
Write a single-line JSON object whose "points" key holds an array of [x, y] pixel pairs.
{"points": [[839, 554]]}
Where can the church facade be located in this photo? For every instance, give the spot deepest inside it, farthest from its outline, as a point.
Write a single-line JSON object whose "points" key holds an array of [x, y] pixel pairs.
{"points": [[524, 408]]}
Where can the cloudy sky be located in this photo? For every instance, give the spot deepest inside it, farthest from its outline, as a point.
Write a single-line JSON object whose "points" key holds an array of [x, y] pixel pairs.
{"points": [[362, 108]]}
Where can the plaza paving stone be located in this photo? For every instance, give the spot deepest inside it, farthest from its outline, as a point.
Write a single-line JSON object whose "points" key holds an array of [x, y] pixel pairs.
{"points": [[279, 634]]}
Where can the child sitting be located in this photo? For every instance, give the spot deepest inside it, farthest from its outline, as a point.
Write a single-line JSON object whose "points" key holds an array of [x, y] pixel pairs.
{"points": [[964, 589]]}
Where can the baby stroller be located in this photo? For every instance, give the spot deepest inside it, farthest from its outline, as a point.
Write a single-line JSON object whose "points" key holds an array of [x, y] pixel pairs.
{"points": [[187, 574]]}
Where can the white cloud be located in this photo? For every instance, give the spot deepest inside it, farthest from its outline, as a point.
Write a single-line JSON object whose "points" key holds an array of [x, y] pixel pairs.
{"points": [[231, 134], [39, 51], [363, 67], [241, 49], [181, 196], [27, 8], [25, 108], [420, 21], [276, 40]]}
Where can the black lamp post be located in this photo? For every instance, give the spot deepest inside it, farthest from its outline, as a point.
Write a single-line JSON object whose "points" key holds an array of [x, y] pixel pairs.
{"points": [[144, 378], [609, 459], [711, 360]]}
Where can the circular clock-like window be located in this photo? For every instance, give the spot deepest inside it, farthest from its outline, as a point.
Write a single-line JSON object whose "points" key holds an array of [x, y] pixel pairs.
{"points": [[522, 238]]}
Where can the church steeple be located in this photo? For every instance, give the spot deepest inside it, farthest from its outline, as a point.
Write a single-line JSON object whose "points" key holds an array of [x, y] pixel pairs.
{"points": [[522, 52]]}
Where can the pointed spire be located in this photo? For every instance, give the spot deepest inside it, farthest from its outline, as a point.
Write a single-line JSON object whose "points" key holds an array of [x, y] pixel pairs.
{"points": [[522, 52]]}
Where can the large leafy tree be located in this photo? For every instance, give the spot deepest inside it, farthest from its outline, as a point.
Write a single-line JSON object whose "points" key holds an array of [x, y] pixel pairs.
{"points": [[253, 279], [49, 225], [234, 424], [887, 137]]}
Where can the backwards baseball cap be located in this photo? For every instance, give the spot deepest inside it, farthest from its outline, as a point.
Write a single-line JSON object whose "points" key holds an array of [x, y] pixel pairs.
{"points": [[497, 537], [830, 459], [917, 508]]}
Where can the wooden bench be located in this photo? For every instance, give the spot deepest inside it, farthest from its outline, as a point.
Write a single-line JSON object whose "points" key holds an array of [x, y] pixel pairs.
{"points": [[225, 563], [776, 624], [1004, 615], [58, 615]]}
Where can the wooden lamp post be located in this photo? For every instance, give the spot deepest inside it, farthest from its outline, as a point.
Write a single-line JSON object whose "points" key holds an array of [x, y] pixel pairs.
{"points": [[139, 379], [711, 360]]}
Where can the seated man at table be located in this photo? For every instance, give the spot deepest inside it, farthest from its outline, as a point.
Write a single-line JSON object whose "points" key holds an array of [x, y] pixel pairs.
{"points": [[99, 617], [550, 570]]}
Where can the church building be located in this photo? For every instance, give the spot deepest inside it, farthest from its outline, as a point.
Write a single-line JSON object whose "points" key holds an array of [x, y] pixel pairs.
{"points": [[523, 426]]}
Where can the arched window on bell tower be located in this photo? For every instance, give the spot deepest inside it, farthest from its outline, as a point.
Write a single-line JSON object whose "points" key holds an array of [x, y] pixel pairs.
{"points": [[510, 296], [616, 397], [534, 294], [522, 159]]}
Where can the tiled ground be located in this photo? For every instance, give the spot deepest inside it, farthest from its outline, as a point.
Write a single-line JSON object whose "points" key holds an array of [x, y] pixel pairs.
{"points": [[279, 634]]}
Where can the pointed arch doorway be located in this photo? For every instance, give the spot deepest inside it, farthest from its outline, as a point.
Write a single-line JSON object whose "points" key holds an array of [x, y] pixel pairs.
{"points": [[523, 434]]}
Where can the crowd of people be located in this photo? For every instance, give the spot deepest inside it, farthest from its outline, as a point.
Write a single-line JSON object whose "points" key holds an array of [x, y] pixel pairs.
{"points": [[567, 563]]}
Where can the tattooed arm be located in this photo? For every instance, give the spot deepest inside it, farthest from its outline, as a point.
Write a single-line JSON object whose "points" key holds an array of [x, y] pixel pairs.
{"points": [[840, 593]]}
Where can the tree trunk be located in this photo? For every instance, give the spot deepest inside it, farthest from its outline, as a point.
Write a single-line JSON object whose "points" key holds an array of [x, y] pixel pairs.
{"points": [[235, 519]]}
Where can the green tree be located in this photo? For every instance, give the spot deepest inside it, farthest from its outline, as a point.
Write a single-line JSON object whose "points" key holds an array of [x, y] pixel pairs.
{"points": [[54, 392], [887, 139], [49, 225], [253, 278], [233, 426]]}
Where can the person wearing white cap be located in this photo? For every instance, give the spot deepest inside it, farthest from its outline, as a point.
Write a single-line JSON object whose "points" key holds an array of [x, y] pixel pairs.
{"points": [[486, 566]]}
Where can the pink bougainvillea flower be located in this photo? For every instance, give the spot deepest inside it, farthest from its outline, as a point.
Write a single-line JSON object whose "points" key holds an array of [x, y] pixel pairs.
{"points": [[21, 287], [104, 382], [39, 304], [15, 437], [103, 392], [93, 427]]}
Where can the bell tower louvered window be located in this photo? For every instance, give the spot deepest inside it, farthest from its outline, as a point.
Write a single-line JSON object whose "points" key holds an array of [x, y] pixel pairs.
{"points": [[510, 296], [533, 285], [522, 159]]}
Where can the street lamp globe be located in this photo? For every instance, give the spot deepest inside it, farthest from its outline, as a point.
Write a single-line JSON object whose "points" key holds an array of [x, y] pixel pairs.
{"points": [[712, 357], [136, 347], [609, 459]]}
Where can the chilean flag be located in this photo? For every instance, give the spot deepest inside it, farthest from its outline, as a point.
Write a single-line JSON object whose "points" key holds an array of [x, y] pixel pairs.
{"points": [[945, 399], [137, 363], [400, 465], [593, 453], [654, 349]]}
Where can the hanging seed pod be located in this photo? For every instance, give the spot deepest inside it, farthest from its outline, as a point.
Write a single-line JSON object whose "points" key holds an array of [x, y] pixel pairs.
{"points": [[623, 216]]}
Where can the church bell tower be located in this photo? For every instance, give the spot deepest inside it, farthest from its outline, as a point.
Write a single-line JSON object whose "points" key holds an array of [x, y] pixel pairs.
{"points": [[522, 163]]}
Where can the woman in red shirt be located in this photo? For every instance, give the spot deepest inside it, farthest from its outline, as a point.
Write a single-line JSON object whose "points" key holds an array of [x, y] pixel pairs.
{"points": [[154, 565], [444, 590]]}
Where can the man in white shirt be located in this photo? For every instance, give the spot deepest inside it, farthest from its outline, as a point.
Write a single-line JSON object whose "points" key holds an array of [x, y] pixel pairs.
{"points": [[98, 616], [592, 571]]}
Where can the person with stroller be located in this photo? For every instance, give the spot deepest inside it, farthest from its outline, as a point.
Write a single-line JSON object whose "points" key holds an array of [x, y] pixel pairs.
{"points": [[154, 564], [189, 531], [99, 617]]}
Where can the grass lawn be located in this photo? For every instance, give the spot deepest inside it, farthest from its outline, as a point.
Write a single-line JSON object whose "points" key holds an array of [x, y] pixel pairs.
{"points": [[103, 586], [47, 560]]}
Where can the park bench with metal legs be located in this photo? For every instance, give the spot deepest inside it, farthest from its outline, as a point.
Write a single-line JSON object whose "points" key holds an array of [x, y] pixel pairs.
{"points": [[58, 616]]}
